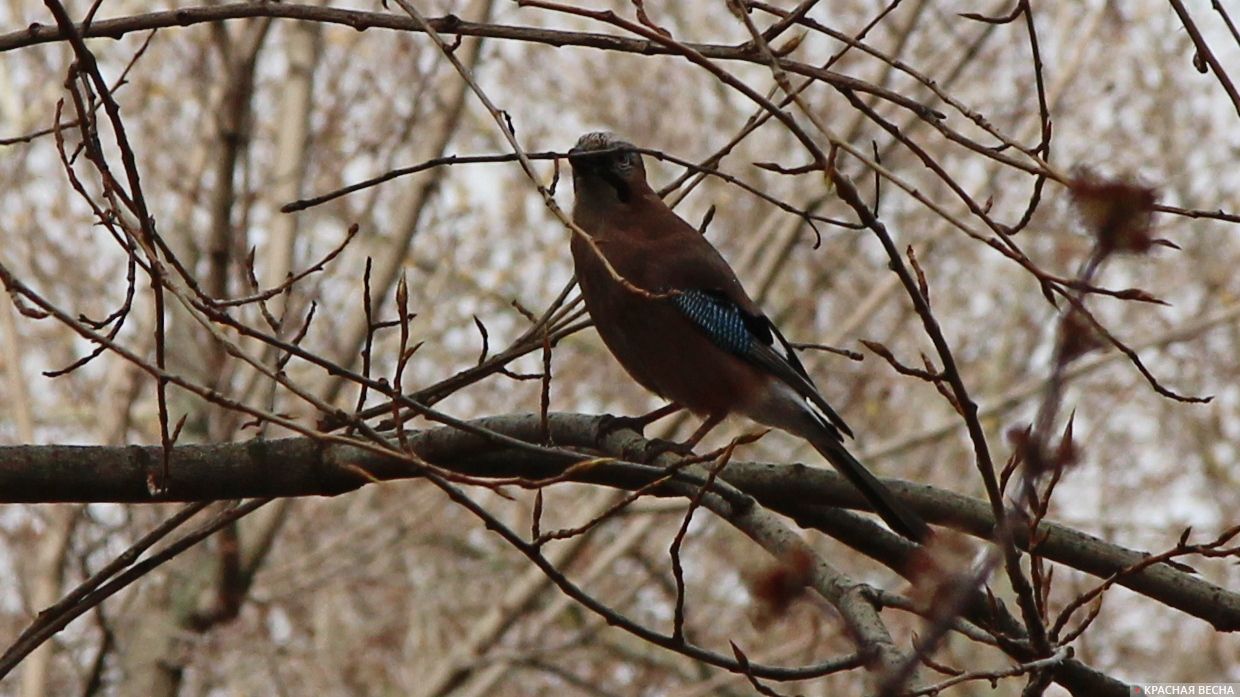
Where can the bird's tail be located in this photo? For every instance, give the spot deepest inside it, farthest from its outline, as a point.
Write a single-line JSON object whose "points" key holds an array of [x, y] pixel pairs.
{"points": [[897, 516]]}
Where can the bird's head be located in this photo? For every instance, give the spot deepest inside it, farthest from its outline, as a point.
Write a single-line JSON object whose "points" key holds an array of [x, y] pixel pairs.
{"points": [[606, 170]]}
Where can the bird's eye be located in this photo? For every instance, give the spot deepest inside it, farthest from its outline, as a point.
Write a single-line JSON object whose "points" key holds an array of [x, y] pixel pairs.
{"points": [[624, 160]]}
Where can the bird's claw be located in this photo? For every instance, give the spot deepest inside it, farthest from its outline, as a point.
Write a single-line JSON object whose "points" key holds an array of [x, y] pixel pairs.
{"points": [[659, 446], [652, 448], [609, 424]]}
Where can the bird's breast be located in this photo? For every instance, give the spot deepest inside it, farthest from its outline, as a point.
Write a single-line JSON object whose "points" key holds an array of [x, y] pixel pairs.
{"points": [[654, 341]]}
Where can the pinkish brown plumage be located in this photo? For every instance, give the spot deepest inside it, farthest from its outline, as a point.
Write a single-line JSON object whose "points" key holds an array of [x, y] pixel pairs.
{"points": [[694, 336]]}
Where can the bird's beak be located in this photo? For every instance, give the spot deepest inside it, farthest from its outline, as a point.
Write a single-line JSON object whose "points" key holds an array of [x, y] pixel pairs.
{"points": [[593, 165], [584, 161]]}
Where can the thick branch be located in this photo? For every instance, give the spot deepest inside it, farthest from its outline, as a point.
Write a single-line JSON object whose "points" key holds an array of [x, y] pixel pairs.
{"points": [[304, 467]]}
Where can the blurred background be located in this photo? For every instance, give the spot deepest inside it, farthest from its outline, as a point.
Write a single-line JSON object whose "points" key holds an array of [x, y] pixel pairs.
{"points": [[394, 590]]}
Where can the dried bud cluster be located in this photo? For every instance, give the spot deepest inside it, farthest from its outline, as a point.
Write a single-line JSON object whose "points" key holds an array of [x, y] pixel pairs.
{"points": [[1040, 457], [937, 569], [1118, 212], [776, 587], [1078, 336]]}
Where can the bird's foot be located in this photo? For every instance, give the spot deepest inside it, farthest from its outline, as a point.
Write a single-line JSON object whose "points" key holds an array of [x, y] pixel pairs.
{"points": [[641, 450], [654, 447], [610, 424], [659, 446]]}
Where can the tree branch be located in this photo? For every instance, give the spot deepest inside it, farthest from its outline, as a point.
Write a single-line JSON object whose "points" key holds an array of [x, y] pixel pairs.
{"points": [[304, 467]]}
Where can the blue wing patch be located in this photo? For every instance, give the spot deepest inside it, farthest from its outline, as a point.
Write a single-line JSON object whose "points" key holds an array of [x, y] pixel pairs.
{"points": [[755, 339], [721, 319]]}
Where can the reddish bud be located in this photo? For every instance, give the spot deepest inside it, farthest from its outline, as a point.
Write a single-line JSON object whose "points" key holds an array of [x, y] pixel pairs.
{"points": [[1118, 212], [1066, 453], [777, 586], [936, 569], [1077, 336]]}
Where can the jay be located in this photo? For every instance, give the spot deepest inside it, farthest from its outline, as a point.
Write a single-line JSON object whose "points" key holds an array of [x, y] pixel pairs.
{"points": [[683, 327]]}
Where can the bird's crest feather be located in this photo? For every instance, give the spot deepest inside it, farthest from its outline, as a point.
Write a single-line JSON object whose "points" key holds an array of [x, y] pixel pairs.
{"points": [[600, 140]]}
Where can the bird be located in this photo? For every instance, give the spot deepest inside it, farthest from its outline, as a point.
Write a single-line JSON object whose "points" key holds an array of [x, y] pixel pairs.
{"points": [[674, 315]]}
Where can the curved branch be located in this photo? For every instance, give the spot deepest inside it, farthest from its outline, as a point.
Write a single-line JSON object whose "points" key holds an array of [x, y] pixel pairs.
{"points": [[304, 467], [449, 24]]}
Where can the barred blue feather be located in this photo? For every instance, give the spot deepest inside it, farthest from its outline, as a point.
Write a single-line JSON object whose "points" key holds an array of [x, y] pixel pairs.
{"points": [[720, 318]]}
